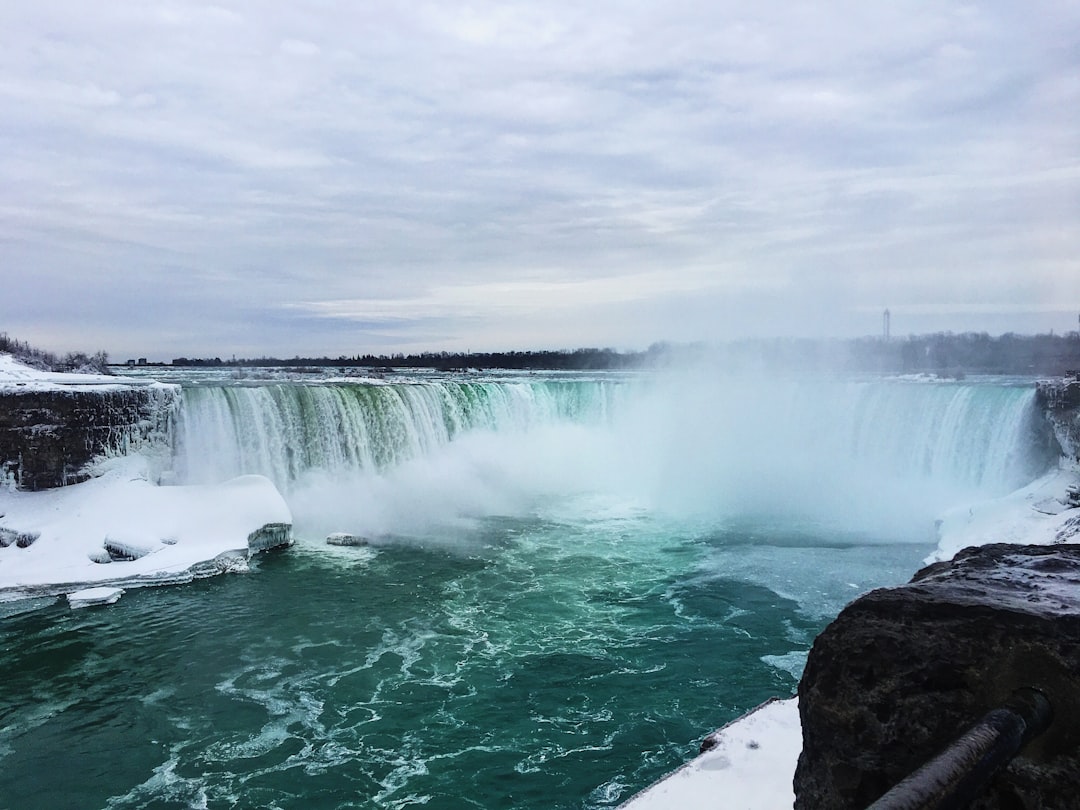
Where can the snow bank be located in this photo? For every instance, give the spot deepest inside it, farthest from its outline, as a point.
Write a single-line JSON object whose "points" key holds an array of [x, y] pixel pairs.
{"points": [[750, 766], [94, 596], [121, 529], [1038, 514], [14, 374]]}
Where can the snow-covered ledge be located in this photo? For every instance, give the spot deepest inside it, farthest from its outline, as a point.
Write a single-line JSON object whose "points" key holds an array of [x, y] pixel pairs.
{"points": [[54, 426], [121, 530], [748, 764]]}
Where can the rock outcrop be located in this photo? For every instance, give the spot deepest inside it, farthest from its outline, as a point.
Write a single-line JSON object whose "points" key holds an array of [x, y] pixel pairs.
{"points": [[902, 672], [49, 437], [1060, 400]]}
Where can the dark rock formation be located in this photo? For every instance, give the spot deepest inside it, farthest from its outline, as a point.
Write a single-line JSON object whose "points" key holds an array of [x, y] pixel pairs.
{"points": [[1060, 400], [902, 672], [48, 437]]}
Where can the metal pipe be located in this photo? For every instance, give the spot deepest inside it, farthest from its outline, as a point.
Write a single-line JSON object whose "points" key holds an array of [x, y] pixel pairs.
{"points": [[955, 776]]}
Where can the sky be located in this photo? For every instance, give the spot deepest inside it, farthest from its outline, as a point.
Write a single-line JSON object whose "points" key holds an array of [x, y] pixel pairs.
{"points": [[325, 178]]}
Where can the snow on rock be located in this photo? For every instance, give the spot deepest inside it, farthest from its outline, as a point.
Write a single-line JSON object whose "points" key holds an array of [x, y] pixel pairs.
{"points": [[750, 766], [14, 374], [94, 596], [1041, 513], [121, 529]]}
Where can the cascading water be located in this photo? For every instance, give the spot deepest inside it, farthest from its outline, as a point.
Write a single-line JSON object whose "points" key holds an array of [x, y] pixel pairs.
{"points": [[719, 447], [285, 430], [570, 582]]}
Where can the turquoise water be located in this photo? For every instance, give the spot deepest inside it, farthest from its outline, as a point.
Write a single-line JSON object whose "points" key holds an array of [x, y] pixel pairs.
{"points": [[547, 666], [569, 584]]}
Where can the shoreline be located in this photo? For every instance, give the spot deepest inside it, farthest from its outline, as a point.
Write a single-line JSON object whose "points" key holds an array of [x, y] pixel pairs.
{"points": [[752, 764]]}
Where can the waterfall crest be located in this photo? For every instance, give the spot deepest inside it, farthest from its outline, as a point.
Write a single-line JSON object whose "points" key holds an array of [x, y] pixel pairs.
{"points": [[830, 449]]}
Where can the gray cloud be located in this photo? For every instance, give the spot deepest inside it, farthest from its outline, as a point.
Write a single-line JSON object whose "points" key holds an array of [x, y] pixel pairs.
{"points": [[188, 178]]}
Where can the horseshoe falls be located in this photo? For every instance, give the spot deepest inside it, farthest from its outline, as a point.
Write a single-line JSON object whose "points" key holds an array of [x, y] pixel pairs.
{"points": [[567, 581]]}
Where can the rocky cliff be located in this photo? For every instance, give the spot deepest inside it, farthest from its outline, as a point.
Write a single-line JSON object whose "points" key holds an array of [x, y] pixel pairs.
{"points": [[49, 435], [1060, 400], [902, 672]]}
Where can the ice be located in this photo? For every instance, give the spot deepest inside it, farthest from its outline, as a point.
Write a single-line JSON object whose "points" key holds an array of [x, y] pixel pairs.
{"points": [[94, 596], [19, 376]]}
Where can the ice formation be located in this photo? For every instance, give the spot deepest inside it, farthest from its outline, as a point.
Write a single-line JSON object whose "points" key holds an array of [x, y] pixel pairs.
{"points": [[121, 529]]}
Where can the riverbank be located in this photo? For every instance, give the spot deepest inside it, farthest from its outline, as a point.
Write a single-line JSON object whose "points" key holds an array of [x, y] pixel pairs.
{"points": [[118, 528], [752, 760]]}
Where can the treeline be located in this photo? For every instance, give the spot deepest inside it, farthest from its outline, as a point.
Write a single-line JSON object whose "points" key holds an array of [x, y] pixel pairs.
{"points": [[942, 353], [973, 353], [47, 361], [571, 360]]}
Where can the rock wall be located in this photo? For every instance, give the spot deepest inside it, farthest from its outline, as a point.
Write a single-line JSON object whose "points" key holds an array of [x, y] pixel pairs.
{"points": [[49, 437], [902, 672], [1060, 400]]}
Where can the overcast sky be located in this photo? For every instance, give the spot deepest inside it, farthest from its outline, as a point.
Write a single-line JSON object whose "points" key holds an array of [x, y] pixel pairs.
{"points": [[317, 177]]}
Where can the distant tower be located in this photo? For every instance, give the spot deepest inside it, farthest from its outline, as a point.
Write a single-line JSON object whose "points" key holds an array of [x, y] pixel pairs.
{"points": [[885, 324]]}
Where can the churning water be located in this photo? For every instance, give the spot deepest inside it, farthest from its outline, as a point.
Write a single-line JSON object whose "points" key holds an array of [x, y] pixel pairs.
{"points": [[570, 580]]}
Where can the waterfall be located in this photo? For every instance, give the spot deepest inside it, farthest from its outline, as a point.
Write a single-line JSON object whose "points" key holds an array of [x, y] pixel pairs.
{"points": [[285, 430], [879, 454]]}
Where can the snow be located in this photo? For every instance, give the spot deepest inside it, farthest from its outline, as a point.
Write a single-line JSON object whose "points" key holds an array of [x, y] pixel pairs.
{"points": [[94, 596], [170, 534], [1038, 514], [751, 765], [15, 375], [164, 534]]}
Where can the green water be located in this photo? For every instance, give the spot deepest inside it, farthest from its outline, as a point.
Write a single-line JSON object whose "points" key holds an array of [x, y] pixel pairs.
{"points": [[523, 663]]}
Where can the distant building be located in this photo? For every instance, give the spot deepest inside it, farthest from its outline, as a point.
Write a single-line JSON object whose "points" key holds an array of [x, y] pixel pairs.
{"points": [[886, 325], [142, 361], [131, 362]]}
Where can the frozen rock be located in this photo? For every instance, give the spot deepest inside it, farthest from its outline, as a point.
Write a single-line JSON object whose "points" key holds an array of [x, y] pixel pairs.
{"points": [[51, 434], [124, 551], [20, 539], [344, 539], [94, 596], [748, 764], [272, 535], [1060, 400], [154, 535]]}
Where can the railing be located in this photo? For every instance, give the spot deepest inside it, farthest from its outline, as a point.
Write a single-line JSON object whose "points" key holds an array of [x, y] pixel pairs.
{"points": [[955, 777]]}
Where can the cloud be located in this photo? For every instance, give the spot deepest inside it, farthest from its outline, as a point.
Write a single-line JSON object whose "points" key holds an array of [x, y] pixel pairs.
{"points": [[336, 167]]}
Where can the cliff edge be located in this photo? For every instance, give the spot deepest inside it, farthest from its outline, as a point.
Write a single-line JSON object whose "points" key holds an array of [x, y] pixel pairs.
{"points": [[53, 426], [902, 672]]}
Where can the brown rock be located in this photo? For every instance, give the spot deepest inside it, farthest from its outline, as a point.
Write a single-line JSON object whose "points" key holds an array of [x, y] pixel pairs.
{"points": [[902, 672]]}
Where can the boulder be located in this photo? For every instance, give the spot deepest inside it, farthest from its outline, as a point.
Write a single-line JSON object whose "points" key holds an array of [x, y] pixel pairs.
{"points": [[345, 539], [903, 672]]}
